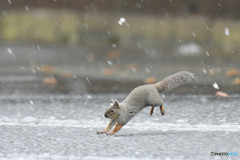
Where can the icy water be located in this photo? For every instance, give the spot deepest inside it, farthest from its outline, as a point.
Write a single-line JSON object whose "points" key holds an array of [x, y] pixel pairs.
{"points": [[63, 127]]}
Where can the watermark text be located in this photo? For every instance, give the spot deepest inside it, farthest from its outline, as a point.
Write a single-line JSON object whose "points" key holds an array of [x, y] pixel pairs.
{"points": [[224, 153]]}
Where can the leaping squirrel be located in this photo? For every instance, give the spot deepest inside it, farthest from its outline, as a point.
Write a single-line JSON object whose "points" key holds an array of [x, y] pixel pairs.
{"points": [[141, 97]]}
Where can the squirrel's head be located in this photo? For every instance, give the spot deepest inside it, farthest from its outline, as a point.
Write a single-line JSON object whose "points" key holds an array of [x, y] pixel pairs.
{"points": [[113, 111]]}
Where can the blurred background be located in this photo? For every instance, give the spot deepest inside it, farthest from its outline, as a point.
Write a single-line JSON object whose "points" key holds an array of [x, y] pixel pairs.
{"points": [[79, 46], [63, 61]]}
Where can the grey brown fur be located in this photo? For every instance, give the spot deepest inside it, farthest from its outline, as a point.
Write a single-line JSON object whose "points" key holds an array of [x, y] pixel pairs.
{"points": [[141, 97]]}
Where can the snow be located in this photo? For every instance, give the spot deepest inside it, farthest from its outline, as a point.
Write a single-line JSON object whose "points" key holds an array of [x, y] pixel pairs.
{"points": [[147, 70], [110, 63], [207, 27], [31, 102], [88, 80], [38, 47], [189, 49], [207, 53], [89, 96], [9, 50], [204, 71], [121, 21], [194, 35], [215, 85], [227, 33], [179, 125], [71, 157], [26, 8]]}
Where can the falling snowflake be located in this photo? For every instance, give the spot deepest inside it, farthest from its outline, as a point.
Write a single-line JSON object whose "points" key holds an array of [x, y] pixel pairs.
{"points": [[26, 8], [204, 71], [38, 47], [9, 50], [227, 32], [31, 102], [194, 35], [215, 85], [89, 96], [114, 45], [110, 63], [207, 53], [121, 21]]}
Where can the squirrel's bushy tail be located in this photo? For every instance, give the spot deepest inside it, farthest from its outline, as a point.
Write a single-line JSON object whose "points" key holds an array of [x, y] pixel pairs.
{"points": [[175, 80]]}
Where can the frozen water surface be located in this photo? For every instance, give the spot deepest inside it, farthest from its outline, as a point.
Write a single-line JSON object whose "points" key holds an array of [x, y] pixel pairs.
{"points": [[64, 127]]}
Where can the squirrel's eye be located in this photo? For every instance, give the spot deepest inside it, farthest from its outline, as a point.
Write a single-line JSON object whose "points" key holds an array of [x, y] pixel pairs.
{"points": [[112, 110]]}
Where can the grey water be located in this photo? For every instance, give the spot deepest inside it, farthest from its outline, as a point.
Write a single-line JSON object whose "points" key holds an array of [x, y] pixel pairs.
{"points": [[64, 127]]}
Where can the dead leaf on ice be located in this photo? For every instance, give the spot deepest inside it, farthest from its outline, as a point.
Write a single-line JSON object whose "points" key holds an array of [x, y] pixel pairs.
{"points": [[237, 81], [233, 72], [222, 94], [150, 80], [50, 81]]}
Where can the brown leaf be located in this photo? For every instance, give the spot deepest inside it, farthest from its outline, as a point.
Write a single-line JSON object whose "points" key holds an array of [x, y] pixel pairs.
{"points": [[67, 75], [113, 54], [222, 94], [133, 66], [50, 81], [46, 68], [150, 80], [237, 81], [107, 72], [90, 57], [232, 72]]}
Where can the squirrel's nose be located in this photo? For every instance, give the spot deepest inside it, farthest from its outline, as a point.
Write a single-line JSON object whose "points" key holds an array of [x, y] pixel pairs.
{"points": [[105, 115]]}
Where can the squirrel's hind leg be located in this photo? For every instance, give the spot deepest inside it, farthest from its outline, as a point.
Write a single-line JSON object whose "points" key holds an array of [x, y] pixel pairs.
{"points": [[151, 111], [162, 110]]}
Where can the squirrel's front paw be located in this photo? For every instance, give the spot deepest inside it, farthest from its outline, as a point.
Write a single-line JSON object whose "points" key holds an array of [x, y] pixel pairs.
{"points": [[109, 134], [101, 132]]}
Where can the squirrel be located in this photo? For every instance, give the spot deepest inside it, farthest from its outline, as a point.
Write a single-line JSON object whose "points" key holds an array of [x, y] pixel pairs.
{"points": [[141, 97]]}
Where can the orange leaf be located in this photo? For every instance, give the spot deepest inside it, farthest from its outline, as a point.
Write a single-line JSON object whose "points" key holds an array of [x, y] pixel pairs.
{"points": [[232, 72], [46, 68], [236, 81], [222, 94], [90, 57], [50, 81], [150, 80], [107, 72], [114, 54]]}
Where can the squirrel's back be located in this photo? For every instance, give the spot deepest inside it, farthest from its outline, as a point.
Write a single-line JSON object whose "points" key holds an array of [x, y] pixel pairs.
{"points": [[173, 81], [146, 94]]}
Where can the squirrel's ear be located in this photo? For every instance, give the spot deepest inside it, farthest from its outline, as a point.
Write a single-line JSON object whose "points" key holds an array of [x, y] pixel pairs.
{"points": [[116, 104]]}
